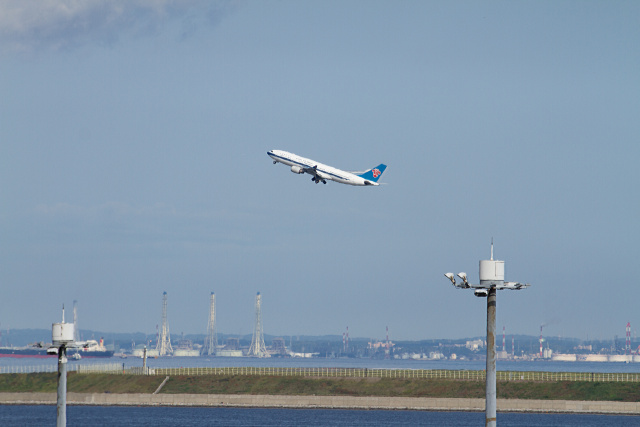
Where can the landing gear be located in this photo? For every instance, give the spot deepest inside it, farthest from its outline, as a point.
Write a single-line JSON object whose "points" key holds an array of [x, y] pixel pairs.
{"points": [[274, 162], [324, 182], [313, 179]]}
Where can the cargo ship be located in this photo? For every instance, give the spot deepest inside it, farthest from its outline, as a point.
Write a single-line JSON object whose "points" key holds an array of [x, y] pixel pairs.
{"points": [[90, 348]]}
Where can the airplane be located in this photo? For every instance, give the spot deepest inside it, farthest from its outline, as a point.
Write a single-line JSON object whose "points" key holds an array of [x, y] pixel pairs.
{"points": [[322, 173]]}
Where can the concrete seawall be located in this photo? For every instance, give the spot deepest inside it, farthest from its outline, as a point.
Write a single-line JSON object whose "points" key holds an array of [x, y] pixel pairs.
{"points": [[329, 402]]}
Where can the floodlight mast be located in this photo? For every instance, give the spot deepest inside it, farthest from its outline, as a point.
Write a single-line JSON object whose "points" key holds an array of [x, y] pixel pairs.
{"points": [[62, 338], [491, 280]]}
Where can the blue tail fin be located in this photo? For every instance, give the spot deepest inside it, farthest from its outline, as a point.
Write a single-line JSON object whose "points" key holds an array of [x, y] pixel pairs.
{"points": [[374, 173]]}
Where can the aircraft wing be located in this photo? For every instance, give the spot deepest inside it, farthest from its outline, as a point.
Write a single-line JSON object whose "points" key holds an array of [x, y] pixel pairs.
{"points": [[316, 173], [318, 176], [311, 171]]}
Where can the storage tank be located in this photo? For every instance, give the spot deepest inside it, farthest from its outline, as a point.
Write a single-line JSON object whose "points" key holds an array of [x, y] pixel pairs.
{"points": [[597, 358], [564, 357], [620, 358], [185, 352], [151, 352]]}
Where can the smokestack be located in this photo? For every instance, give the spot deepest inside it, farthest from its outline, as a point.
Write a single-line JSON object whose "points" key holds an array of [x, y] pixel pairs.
{"points": [[541, 341]]}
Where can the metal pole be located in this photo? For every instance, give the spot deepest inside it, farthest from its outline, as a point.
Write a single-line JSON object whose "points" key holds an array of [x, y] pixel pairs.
{"points": [[62, 387], [490, 411], [144, 361]]}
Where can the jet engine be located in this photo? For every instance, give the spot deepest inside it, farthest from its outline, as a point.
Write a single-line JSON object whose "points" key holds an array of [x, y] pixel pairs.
{"points": [[296, 169]]}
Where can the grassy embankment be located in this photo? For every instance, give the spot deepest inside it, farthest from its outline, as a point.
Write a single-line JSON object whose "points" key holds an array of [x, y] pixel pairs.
{"points": [[275, 385]]}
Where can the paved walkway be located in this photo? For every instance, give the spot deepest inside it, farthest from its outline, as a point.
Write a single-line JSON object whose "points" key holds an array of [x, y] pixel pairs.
{"points": [[334, 402]]}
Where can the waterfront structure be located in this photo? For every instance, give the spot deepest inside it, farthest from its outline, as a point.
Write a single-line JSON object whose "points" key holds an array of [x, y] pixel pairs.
{"points": [[231, 348], [257, 348], [278, 346], [164, 340], [211, 341]]}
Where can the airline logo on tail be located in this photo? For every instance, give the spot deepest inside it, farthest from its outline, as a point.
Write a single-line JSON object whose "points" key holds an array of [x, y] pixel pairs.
{"points": [[371, 176]]}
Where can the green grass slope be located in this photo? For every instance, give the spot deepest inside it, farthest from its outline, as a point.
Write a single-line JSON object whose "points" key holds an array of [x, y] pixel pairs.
{"points": [[277, 385]]}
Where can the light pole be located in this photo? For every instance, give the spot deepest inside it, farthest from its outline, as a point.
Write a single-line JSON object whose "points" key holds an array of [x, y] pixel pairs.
{"points": [[491, 280], [62, 337]]}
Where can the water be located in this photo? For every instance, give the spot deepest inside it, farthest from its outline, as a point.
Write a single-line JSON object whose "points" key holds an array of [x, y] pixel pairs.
{"points": [[184, 362], [154, 416], [159, 416]]}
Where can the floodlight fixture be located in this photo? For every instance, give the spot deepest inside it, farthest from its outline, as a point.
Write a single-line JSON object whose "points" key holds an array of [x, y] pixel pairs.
{"points": [[481, 293], [463, 276], [450, 277]]}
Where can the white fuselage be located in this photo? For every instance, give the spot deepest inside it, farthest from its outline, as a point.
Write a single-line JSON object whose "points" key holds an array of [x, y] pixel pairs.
{"points": [[323, 171]]}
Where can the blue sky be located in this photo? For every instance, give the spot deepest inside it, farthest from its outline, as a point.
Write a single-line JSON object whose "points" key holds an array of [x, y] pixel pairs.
{"points": [[133, 139]]}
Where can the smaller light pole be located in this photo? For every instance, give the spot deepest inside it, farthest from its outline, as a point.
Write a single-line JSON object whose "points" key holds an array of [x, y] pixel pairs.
{"points": [[144, 361], [491, 280], [62, 337]]}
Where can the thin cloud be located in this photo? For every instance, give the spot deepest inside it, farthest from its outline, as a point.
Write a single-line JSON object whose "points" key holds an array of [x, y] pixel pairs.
{"points": [[139, 225], [30, 25], [112, 208]]}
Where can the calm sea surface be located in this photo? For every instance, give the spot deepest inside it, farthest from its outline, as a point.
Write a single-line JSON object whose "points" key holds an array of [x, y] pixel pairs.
{"points": [[143, 416], [184, 362]]}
